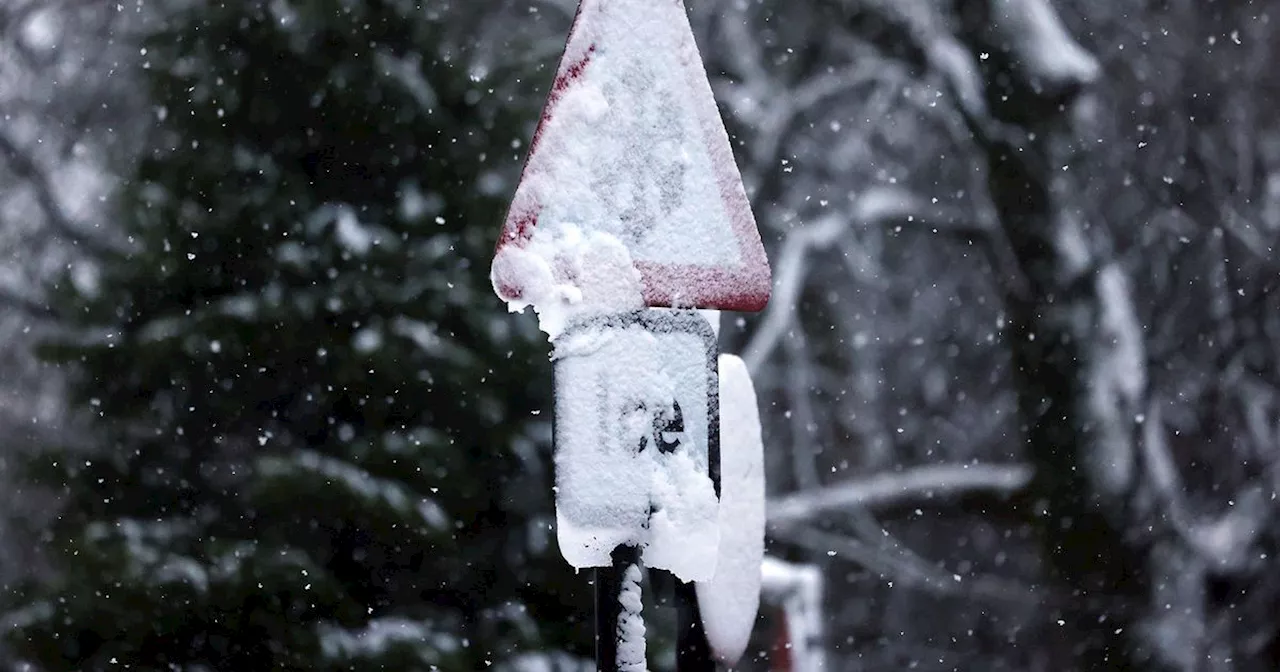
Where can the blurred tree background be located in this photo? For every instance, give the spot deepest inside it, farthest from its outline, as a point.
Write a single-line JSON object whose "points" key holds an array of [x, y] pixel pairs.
{"points": [[1019, 376], [310, 452]]}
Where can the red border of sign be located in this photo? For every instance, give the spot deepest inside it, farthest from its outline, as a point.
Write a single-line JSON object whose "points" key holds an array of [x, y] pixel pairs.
{"points": [[743, 288]]}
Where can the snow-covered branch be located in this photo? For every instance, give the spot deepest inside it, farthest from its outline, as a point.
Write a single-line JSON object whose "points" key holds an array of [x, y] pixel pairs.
{"points": [[918, 484], [908, 570], [1040, 48], [1224, 543], [782, 112], [877, 206], [56, 216], [941, 50], [788, 281]]}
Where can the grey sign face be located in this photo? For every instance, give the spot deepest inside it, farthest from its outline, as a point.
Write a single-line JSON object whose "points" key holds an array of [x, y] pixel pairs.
{"points": [[637, 441]]}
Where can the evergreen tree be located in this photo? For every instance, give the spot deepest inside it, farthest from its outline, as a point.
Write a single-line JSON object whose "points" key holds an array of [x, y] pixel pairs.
{"points": [[319, 444]]}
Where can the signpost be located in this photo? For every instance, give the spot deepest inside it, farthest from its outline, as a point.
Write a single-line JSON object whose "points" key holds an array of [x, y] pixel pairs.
{"points": [[630, 215]]}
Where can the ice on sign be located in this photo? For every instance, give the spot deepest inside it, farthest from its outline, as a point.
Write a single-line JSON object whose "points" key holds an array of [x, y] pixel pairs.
{"points": [[631, 151], [637, 454]]}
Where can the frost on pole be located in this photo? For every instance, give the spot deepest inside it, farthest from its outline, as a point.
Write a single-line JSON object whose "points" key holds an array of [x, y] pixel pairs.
{"points": [[637, 458], [630, 166], [631, 646], [729, 601]]}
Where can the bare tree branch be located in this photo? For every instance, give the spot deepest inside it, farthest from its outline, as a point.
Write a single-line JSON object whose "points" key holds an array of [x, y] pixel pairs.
{"points": [[878, 206], [927, 483], [788, 282], [1225, 543], [920, 576], [937, 47], [1045, 55], [804, 447], [777, 119]]}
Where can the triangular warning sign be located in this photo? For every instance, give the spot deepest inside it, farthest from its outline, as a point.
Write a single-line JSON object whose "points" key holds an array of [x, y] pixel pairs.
{"points": [[631, 144]]}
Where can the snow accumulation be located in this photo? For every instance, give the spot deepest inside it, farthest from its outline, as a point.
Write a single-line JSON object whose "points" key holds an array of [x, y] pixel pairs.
{"points": [[631, 646], [799, 588], [730, 600], [144, 543], [540, 661], [564, 272], [634, 402], [359, 483], [1041, 46], [382, 634], [353, 235]]}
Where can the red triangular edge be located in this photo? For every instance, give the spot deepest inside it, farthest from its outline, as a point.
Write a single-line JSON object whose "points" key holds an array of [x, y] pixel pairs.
{"points": [[744, 288]]}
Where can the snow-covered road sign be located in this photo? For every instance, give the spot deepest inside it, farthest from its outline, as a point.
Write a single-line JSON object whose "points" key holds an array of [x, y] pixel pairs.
{"points": [[631, 213], [631, 144], [637, 441]]}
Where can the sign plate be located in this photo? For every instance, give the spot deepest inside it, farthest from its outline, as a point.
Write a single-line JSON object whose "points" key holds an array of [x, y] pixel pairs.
{"points": [[637, 441]]}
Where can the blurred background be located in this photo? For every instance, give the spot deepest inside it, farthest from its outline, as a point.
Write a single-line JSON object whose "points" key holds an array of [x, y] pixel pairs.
{"points": [[1019, 378]]}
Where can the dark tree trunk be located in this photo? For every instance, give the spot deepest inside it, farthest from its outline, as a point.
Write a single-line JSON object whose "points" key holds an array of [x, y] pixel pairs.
{"points": [[1107, 500]]}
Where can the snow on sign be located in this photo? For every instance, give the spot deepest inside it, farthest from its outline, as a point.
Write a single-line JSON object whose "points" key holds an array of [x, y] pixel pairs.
{"points": [[637, 441], [631, 156], [729, 601]]}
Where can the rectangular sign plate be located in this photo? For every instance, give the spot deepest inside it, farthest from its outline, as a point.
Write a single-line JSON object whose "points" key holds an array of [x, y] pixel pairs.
{"points": [[637, 441]]}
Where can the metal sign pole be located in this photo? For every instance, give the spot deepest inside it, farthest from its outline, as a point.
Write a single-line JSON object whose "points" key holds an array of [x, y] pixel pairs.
{"points": [[693, 653]]}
